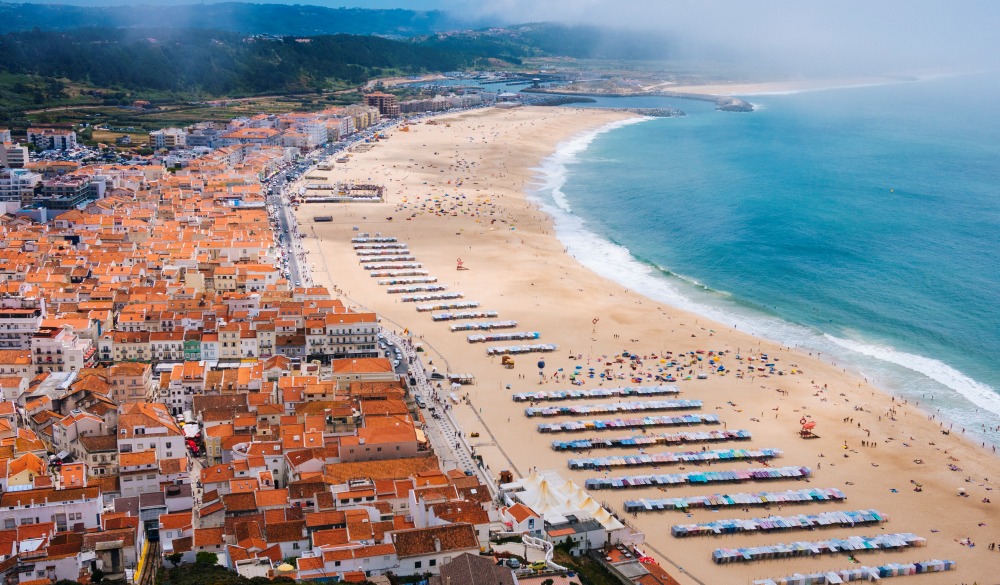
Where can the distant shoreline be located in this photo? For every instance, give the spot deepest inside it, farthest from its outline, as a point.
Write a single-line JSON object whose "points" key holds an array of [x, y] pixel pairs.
{"points": [[724, 90], [723, 102]]}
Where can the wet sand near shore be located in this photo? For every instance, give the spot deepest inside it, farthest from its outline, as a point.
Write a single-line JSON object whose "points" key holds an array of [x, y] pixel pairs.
{"points": [[456, 190]]}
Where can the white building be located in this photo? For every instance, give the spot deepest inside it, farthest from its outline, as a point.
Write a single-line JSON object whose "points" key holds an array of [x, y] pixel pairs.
{"points": [[20, 319], [167, 346], [373, 559], [184, 381], [13, 155], [149, 425], [52, 139], [60, 350], [168, 138], [66, 507], [315, 131], [18, 186], [67, 432], [138, 473], [568, 510], [342, 335], [177, 527], [426, 550]]}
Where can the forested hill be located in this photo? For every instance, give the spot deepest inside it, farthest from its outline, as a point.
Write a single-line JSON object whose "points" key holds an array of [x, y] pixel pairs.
{"points": [[213, 62], [276, 19]]}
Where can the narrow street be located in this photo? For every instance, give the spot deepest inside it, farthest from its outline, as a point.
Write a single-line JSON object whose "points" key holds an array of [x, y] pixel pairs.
{"points": [[443, 432]]}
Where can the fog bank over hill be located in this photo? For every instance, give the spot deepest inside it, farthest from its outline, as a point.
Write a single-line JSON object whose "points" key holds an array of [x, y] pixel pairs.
{"points": [[789, 36], [774, 37]]}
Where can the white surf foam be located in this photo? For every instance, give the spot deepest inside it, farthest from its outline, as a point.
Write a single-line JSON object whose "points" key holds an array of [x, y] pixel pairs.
{"points": [[617, 263], [982, 395], [553, 170]]}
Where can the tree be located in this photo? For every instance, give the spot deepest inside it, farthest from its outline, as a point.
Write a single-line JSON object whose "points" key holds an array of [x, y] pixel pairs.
{"points": [[175, 558], [205, 558]]}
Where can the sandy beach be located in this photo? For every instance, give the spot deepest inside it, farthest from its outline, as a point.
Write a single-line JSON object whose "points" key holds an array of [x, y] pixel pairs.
{"points": [[456, 189], [740, 88]]}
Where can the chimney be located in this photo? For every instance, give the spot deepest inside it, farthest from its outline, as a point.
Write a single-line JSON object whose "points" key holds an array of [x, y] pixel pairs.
{"points": [[437, 544]]}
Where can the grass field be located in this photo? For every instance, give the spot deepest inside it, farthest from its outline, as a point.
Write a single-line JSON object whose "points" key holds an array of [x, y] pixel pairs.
{"points": [[28, 100], [108, 137]]}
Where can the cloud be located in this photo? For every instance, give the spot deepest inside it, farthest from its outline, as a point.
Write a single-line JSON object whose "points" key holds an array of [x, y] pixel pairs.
{"points": [[811, 36]]}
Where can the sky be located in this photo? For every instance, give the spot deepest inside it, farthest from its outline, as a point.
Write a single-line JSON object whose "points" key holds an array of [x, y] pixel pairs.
{"points": [[795, 36]]}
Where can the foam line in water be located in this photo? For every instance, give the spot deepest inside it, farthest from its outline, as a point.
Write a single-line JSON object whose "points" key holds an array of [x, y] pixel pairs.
{"points": [[617, 263], [978, 393], [554, 168]]}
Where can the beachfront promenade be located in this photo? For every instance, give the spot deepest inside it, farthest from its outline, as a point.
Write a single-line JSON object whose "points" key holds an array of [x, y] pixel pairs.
{"points": [[455, 191]]}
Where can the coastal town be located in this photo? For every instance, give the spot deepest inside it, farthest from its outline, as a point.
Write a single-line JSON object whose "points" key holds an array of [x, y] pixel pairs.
{"points": [[175, 387], [314, 347]]}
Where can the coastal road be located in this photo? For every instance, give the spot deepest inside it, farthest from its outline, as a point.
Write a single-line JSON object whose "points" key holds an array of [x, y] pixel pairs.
{"points": [[445, 435], [288, 229]]}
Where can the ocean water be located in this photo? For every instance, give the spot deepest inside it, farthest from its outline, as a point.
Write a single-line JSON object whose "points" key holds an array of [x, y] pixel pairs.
{"points": [[862, 224]]}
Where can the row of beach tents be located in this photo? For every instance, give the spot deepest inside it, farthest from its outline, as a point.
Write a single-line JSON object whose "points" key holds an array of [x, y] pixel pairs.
{"points": [[649, 440], [805, 548], [622, 392], [628, 423], [673, 458], [742, 500], [697, 478], [613, 407], [862, 573], [845, 518]]}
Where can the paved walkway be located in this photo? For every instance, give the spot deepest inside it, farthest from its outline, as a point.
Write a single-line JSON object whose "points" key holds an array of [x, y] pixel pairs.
{"points": [[444, 433]]}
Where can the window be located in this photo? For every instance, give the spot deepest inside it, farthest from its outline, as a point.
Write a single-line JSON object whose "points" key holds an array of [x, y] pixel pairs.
{"points": [[416, 564], [432, 563], [295, 546], [169, 445]]}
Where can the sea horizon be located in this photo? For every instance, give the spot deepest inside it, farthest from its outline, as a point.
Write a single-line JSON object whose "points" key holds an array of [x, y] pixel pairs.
{"points": [[858, 311]]}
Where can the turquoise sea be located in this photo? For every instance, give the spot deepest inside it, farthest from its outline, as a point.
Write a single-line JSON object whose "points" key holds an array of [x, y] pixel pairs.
{"points": [[860, 223]]}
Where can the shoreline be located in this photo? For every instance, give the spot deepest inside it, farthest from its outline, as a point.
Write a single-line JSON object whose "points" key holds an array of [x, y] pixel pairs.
{"points": [[844, 353], [504, 279], [714, 92]]}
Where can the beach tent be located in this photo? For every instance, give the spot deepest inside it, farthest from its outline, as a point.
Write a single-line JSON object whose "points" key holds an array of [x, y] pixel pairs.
{"points": [[589, 505], [609, 522]]}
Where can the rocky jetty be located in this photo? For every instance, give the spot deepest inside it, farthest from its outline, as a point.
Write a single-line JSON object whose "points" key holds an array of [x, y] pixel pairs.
{"points": [[556, 100], [655, 112], [731, 104]]}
